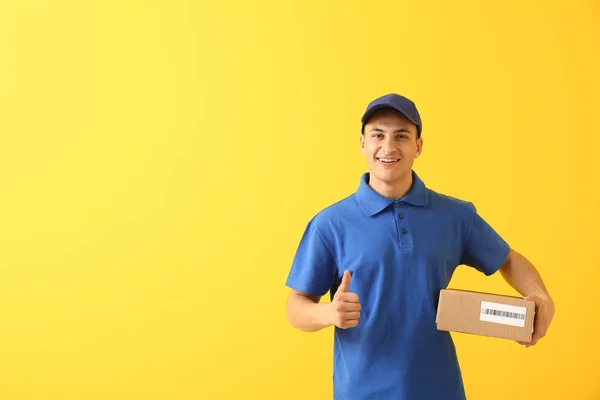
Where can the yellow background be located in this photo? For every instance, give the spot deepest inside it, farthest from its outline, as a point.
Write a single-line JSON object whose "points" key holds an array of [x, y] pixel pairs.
{"points": [[160, 160]]}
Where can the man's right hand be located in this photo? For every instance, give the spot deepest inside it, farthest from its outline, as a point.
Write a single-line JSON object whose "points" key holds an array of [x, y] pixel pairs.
{"points": [[345, 306]]}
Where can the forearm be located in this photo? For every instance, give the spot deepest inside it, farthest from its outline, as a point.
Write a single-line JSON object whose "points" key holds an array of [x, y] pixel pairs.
{"points": [[306, 313], [520, 274]]}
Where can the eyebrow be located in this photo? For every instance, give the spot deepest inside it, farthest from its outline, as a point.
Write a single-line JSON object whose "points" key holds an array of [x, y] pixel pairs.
{"points": [[401, 130]]}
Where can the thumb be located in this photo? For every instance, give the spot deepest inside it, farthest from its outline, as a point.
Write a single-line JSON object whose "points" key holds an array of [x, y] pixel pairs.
{"points": [[345, 282]]}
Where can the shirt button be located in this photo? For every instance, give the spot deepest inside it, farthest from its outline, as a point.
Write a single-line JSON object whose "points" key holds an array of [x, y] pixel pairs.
{"points": [[396, 205], [404, 231], [401, 216]]}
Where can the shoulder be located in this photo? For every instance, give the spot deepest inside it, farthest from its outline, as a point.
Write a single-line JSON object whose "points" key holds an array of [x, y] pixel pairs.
{"points": [[335, 215], [451, 205]]}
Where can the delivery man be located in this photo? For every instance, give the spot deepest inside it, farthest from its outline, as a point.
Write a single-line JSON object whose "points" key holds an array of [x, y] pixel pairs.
{"points": [[384, 253]]}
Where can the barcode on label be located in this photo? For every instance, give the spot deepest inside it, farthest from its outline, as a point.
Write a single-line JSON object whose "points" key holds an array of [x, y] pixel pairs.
{"points": [[506, 314], [503, 314]]}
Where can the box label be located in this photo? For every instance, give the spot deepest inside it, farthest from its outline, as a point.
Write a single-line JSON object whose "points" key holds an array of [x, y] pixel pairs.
{"points": [[502, 314]]}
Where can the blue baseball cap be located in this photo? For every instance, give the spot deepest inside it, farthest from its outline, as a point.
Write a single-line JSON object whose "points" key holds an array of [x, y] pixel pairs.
{"points": [[399, 103]]}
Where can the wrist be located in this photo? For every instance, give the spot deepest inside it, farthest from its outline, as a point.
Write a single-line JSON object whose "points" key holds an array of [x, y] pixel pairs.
{"points": [[540, 296]]}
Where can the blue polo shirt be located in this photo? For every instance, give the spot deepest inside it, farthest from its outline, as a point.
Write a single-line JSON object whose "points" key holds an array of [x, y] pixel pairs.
{"points": [[400, 254]]}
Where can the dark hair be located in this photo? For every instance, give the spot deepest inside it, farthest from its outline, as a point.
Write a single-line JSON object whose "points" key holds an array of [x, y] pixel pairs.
{"points": [[362, 131]]}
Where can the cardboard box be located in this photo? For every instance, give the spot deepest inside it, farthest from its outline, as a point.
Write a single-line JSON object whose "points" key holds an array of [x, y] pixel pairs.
{"points": [[485, 314]]}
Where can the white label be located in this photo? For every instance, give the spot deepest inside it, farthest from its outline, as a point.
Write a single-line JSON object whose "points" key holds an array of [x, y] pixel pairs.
{"points": [[502, 314]]}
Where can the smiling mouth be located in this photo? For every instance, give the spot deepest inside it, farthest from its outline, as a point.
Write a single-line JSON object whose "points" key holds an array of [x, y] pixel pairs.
{"points": [[388, 161]]}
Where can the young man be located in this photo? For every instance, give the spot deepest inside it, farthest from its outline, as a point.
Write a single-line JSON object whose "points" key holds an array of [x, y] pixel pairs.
{"points": [[384, 253]]}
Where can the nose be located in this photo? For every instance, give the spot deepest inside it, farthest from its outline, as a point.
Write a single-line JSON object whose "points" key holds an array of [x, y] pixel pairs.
{"points": [[387, 146]]}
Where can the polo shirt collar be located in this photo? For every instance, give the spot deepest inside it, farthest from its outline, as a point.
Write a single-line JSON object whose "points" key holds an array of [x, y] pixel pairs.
{"points": [[372, 202]]}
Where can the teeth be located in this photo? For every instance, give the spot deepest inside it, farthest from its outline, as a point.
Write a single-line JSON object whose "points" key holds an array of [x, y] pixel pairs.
{"points": [[388, 160]]}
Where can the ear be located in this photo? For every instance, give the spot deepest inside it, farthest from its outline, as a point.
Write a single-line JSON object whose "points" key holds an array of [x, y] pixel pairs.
{"points": [[419, 147], [362, 144]]}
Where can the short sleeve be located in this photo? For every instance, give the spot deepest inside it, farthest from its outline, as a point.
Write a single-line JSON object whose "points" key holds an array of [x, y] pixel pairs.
{"points": [[313, 267], [484, 249]]}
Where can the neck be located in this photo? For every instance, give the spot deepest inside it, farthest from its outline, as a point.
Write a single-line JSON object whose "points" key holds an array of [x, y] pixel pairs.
{"points": [[392, 190]]}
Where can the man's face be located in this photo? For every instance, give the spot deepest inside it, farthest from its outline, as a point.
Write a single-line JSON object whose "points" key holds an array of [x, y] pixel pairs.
{"points": [[390, 146]]}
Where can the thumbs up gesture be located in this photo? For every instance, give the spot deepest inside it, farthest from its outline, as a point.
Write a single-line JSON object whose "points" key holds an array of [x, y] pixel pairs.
{"points": [[345, 306]]}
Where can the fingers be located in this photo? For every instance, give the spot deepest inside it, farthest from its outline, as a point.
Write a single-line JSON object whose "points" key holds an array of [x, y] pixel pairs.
{"points": [[544, 312], [349, 307], [539, 331], [347, 297], [344, 306], [346, 319], [345, 285], [353, 315], [526, 344], [348, 324]]}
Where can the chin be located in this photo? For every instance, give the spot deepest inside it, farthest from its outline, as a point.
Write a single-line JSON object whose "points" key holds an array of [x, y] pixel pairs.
{"points": [[387, 177]]}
